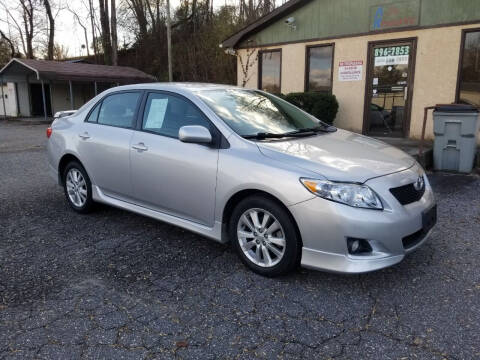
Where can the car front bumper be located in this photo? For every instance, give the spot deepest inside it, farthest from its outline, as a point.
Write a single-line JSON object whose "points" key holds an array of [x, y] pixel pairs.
{"points": [[325, 227]]}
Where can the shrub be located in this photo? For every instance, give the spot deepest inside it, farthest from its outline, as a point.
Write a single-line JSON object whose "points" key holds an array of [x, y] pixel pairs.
{"points": [[322, 106]]}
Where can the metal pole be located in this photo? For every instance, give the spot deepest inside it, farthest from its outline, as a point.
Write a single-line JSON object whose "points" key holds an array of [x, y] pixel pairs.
{"points": [[72, 103], [29, 89], [3, 101], [169, 43], [422, 139], [96, 88], [52, 109], [44, 101]]}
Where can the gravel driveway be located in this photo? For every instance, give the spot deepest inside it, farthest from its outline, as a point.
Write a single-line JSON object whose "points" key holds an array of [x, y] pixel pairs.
{"points": [[116, 285]]}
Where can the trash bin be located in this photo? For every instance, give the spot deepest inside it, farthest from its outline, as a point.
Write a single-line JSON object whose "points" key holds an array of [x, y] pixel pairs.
{"points": [[455, 128]]}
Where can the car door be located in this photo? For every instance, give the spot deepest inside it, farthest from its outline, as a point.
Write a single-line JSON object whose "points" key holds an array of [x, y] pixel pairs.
{"points": [[104, 143], [169, 175]]}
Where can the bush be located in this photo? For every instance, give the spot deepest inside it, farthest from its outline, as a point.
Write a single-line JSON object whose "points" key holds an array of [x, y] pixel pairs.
{"points": [[322, 106]]}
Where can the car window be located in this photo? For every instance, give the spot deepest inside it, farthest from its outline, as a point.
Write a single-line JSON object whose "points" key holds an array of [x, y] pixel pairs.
{"points": [[94, 114], [166, 114], [119, 109]]}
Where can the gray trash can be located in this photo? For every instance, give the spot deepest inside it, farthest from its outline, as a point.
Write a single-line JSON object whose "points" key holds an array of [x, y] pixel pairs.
{"points": [[455, 128]]}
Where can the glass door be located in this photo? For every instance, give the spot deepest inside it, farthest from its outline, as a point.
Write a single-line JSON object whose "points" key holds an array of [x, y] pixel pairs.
{"points": [[389, 82]]}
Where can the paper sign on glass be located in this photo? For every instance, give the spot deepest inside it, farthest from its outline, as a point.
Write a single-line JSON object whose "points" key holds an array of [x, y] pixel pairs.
{"points": [[156, 114]]}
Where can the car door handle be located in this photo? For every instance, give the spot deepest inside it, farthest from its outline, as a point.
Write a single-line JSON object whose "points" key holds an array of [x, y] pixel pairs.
{"points": [[84, 136], [140, 147]]}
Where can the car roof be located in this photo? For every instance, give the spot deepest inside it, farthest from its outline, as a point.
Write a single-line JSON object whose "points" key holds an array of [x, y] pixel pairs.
{"points": [[176, 86], [182, 88]]}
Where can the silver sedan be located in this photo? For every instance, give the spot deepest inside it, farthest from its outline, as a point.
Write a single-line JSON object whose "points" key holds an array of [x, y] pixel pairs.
{"points": [[247, 167]]}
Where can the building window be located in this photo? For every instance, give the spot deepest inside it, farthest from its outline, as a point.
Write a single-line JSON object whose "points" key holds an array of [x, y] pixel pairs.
{"points": [[469, 82], [270, 74], [319, 68]]}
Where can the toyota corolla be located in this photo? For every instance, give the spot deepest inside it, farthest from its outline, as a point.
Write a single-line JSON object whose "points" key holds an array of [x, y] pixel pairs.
{"points": [[245, 167]]}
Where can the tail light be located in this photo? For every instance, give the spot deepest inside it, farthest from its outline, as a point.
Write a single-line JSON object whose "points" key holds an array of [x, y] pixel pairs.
{"points": [[49, 131]]}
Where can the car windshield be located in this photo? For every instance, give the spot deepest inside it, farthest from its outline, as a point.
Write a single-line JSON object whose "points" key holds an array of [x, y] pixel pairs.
{"points": [[251, 113]]}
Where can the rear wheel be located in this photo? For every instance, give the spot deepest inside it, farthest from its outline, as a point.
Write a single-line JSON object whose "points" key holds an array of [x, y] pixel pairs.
{"points": [[264, 236], [77, 187]]}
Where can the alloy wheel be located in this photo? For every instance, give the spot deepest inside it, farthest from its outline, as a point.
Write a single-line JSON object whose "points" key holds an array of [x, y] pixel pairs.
{"points": [[261, 237], [76, 187]]}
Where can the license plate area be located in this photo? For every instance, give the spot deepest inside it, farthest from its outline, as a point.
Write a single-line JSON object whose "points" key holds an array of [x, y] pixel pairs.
{"points": [[429, 219]]}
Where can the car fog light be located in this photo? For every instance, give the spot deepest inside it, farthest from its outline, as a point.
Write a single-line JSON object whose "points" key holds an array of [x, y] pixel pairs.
{"points": [[358, 246], [354, 246]]}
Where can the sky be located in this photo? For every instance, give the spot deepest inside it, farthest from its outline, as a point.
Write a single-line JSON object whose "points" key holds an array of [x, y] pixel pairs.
{"points": [[69, 34]]}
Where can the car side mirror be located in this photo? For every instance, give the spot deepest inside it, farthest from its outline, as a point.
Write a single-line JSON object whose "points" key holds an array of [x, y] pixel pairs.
{"points": [[195, 134]]}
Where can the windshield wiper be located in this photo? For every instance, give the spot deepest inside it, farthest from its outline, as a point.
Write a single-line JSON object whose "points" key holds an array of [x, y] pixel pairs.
{"points": [[295, 133], [267, 135]]}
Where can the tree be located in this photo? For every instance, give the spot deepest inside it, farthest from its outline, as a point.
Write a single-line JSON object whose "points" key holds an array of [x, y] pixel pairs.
{"points": [[251, 57], [28, 23], [60, 52], [139, 8], [5, 41], [11, 19], [92, 23], [169, 43], [51, 29], [196, 28], [22, 16], [113, 25], [105, 23], [84, 27], [5, 52]]}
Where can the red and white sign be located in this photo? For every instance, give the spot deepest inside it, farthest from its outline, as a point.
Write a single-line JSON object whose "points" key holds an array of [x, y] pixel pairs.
{"points": [[350, 70]]}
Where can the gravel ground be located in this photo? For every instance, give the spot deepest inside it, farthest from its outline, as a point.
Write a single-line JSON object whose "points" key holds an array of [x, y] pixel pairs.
{"points": [[116, 285]]}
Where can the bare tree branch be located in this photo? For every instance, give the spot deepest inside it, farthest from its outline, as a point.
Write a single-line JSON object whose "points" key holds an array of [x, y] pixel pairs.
{"points": [[51, 30], [10, 43], [84, 27]]}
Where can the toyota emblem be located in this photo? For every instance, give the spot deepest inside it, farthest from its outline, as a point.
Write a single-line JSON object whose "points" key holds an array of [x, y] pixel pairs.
{"points": [[418, 185]]}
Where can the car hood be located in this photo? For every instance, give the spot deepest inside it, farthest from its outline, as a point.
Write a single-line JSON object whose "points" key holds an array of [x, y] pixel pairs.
{"points": [[339, 156]]}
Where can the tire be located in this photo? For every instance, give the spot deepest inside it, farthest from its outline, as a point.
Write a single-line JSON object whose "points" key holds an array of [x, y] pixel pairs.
{"points": [[80, 196], [250, 244]]}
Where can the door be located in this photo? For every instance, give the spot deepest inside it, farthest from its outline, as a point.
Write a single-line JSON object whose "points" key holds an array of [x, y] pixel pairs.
{"points": [[389, 88], [104, 143], [168, 175], [37, 99]]}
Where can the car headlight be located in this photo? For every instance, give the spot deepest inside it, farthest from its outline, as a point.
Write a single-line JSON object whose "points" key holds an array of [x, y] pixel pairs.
{"points": [[355, 195]]}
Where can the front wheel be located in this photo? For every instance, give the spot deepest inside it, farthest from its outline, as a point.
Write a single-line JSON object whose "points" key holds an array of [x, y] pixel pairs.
{"points": [[264, 236]]}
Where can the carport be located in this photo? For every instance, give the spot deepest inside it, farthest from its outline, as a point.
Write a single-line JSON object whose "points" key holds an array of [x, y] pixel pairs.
{"points": [[44, 87]]}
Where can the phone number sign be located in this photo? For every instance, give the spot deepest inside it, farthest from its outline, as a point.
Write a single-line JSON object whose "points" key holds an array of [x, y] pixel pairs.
{"points": [[392, 55]]}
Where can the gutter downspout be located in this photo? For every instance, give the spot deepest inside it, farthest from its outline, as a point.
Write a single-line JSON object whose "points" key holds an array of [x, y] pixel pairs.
{"points": [[3, 100], [72, 103]]}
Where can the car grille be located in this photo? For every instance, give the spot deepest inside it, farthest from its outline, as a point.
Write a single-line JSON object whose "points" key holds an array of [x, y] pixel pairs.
{"points": [[407, 194]]}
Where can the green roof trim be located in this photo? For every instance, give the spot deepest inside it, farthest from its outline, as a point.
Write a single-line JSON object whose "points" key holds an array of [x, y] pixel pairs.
{"points": [[323, 19]]}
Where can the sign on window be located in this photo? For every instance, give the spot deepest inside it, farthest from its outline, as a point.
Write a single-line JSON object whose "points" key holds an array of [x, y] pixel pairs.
{"points": [[156, 114], [392, 55]]}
